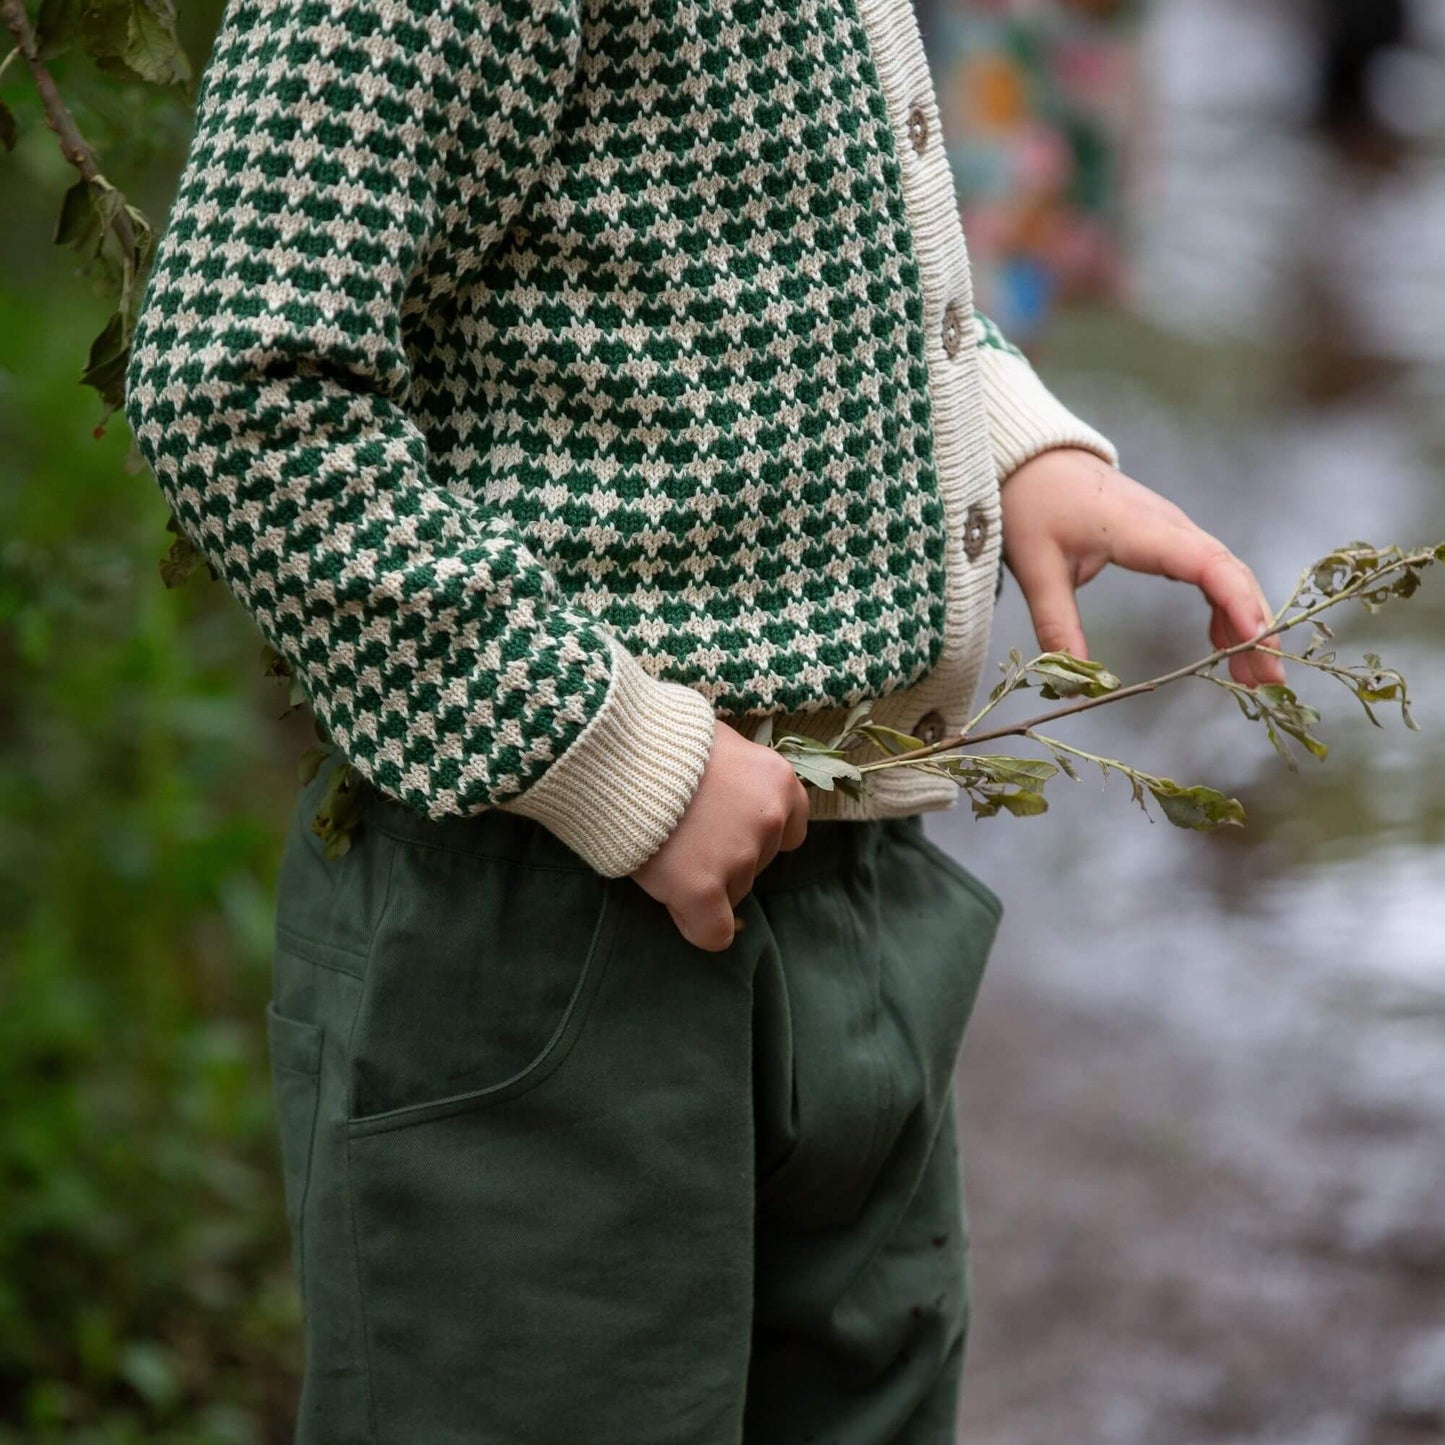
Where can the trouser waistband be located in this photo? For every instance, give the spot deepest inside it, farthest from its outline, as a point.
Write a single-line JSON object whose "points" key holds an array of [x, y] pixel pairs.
{"points": [[830, 847]]}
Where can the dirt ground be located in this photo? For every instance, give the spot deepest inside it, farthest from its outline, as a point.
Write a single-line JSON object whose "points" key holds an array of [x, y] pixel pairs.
{"points": [[1143, 1274], [1203, 1094]]}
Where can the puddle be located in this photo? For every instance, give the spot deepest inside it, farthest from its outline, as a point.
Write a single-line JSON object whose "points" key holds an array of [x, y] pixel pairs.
{"points": [[1204, 1092]]}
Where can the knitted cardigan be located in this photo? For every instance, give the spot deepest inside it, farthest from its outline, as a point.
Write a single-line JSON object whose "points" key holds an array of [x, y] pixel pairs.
{"points": [[551, 378]]}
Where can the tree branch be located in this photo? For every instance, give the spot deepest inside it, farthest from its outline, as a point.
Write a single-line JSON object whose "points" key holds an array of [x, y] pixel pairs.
{"points": [[1278, 624], [58, 117]]}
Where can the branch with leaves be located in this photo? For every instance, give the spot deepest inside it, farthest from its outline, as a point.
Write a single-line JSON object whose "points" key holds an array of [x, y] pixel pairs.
{"points": [[995, 783], [128, 40]]}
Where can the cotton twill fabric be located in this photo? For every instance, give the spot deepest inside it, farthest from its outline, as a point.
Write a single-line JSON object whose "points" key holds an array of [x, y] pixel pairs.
{"points": [[555, 1175]]}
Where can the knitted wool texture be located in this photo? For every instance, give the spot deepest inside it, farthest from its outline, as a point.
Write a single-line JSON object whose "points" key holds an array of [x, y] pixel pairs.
{"points": [[549, 379]]}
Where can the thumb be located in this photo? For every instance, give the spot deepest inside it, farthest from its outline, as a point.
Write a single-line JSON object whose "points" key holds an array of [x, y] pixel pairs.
{"points": [[1055, 612]]}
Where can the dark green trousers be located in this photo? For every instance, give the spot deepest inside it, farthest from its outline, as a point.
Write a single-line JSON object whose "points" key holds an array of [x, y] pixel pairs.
{"points": [[556, 1177]]}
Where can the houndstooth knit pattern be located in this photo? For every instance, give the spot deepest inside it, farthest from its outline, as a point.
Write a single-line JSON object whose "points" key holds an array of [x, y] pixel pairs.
{"points": [[550, 378]]}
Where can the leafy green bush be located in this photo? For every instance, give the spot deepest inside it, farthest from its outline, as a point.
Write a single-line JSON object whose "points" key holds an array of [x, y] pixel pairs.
{"points": [[145, 1285]]}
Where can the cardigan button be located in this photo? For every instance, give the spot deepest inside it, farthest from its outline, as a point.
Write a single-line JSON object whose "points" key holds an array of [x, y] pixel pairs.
{"points": [[952, 328], [929, 728], [975, 532], [918, 128]]}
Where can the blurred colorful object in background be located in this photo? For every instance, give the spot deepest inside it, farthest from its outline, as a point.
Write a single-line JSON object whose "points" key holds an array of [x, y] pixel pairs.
{"points": [[1035, 96]]}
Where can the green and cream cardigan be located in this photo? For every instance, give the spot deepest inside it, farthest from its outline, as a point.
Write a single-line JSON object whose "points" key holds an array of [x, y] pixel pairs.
{"points": [[551, 378]]}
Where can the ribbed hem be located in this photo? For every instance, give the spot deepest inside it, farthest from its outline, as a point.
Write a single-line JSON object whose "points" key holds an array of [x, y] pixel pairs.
{"points": [[1026, 418], [621, 787]]}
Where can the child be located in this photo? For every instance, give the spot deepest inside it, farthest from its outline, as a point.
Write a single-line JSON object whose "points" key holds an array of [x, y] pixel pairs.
{"points": [[564, 386]]}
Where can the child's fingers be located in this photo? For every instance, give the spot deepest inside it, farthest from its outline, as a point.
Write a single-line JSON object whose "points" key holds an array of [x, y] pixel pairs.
{"points": [[1048, 588], [706, 919], [1255, 667], [1247, 668], [1190, 554], [1231, 585], [1222, 635], [1219, 635]]}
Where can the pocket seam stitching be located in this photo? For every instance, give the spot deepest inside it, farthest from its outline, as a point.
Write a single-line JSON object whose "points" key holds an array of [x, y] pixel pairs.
{"points": [[312, 949], [367, 977], [601, 949], [313, 1075]]}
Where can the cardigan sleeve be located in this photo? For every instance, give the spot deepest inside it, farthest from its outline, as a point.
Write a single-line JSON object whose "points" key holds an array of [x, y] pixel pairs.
{"points": [[1024, 417], [351, 160]]}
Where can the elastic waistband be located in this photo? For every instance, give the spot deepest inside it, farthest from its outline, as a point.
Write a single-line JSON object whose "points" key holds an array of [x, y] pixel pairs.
{"points": [[831, 846]]}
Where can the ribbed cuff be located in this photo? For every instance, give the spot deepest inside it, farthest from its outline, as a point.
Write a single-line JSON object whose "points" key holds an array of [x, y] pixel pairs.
{"points": [[1026, 418], [621, 787]]}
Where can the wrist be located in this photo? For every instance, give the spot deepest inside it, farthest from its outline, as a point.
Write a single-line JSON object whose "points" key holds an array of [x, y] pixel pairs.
{"points": [[1067, 453]]}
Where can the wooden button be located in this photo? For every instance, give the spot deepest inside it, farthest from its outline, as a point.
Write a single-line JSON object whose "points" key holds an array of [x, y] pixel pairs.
{"points": [[975, 532], [952, 328], [918, 128], [929, 728]]}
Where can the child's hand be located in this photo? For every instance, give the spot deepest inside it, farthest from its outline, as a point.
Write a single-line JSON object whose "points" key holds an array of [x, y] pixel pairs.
{"points": [[1067, 514], [749, 805]]}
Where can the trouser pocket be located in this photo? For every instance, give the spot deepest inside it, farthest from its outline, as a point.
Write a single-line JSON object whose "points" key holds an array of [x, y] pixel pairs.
{"points": [[548, 1152]]}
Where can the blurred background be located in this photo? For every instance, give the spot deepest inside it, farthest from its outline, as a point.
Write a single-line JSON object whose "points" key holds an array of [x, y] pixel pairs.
{"points": [[1203, 1096]]}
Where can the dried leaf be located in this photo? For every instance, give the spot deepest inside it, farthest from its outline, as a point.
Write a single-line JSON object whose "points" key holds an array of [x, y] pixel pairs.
{"points": [[153, 48], [180, 562], [1066, 763], [1066, 676], [856, 715], [339, 812], [822, 769], [77, 223], [1025, 804], [106, 364], [1198, 808], [1023, 772], [890, 740], [1021, 805]]}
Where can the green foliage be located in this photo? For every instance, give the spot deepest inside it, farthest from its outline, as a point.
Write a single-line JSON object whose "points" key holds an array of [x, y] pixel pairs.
{"points": [[340, 808], [820, 764], [125, 41], [145, 1284], [1062, 675]]}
